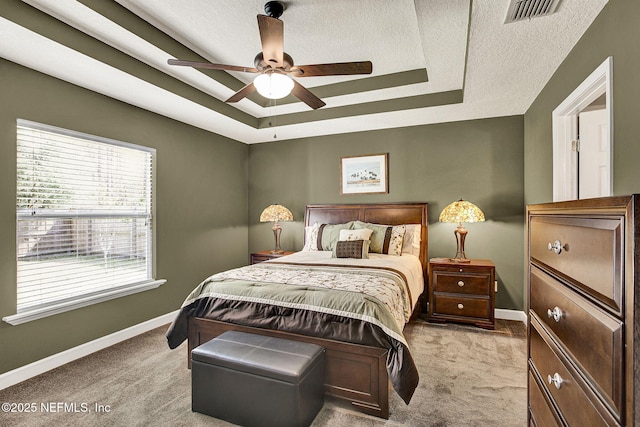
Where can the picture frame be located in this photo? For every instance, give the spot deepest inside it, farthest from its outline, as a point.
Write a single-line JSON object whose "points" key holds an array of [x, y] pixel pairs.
{"points": [[364, 174]]}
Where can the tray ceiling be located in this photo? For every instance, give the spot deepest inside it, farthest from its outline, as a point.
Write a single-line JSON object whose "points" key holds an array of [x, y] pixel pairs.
{"points": [[433, 60]]}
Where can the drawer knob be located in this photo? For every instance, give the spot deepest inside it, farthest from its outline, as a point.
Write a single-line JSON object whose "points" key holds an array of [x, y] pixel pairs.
{"points": [[556, 380], [460, 306], [460, 283], [556, 313], [556, 247]]}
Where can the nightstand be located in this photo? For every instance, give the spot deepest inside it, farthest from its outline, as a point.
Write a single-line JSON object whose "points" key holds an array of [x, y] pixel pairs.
{"points": [[462, 292], [265, 256]]}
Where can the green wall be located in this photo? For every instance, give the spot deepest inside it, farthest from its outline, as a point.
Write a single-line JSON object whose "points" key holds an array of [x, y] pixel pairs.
{"points": [[210, 191], [479, 160], [615, 32], [201, 208]]}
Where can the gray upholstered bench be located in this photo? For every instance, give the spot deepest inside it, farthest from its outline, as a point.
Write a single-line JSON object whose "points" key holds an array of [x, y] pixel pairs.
{"points": [[255, 380]]}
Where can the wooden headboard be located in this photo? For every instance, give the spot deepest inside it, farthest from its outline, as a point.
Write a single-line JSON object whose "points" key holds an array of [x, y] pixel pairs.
{"points": [[377, 213]]}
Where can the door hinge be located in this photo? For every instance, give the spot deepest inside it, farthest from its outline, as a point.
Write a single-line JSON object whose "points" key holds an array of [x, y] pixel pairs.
{"points": [[575, 145]]}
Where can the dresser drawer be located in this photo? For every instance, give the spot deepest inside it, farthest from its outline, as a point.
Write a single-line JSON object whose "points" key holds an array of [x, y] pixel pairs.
{"points": [[461, 306], [576, 403], [588, 253], [542, 414], [458, 283], [593, 337]]}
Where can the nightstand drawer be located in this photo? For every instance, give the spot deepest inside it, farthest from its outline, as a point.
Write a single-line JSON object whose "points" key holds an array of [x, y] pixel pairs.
{"points": [[266, 256], [260, 258], [457, 283], [461, 306]]}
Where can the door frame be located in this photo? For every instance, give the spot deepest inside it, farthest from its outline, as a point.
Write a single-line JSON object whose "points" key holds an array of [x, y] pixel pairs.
{"points": [[565, 130]]}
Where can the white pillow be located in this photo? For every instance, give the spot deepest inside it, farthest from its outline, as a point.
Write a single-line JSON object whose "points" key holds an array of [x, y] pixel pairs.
{"points": [[311, 237], [360, 234], [412, 239]]}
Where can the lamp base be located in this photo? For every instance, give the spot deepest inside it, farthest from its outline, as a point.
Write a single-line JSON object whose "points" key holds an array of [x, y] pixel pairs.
{"points": [[276, 234], [461, 234]]}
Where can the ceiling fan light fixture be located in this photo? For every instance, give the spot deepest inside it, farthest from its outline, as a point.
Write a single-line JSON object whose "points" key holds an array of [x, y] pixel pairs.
{"points": [[273, 85], [274, 66]]}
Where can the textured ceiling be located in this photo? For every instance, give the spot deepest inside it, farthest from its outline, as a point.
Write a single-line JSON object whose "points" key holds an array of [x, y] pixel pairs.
{"points": [[433, 60]]}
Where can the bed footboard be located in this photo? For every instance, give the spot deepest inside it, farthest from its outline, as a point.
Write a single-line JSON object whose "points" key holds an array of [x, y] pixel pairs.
{"points": [[355, 373]]}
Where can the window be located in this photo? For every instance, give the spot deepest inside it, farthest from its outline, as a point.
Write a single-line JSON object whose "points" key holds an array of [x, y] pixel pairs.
{"points": [[84, 220]]}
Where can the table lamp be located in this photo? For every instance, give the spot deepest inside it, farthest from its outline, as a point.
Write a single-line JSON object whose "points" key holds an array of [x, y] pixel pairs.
{"points": [[276, 213], [461, 211]]}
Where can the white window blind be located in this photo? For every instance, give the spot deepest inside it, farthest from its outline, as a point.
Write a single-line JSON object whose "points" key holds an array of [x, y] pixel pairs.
{"points": [[84, 223]]}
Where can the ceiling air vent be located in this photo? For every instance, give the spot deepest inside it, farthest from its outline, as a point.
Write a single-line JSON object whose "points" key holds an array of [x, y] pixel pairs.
{"points": [[520, 10]]}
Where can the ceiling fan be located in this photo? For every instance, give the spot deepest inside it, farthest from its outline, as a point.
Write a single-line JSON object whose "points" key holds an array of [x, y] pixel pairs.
{"points": [[274, 67]]}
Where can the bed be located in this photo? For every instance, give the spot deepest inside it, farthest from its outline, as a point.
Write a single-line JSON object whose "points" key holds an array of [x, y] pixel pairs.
{"points": [[364, 353]]}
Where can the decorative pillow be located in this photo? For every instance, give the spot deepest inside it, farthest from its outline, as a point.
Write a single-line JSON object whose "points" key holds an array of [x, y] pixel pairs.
{"points": [[352, 249], [412, 239], [329, 234], [377, 235], [385, 239], [323, 237], [395, 242], [311, 237], [361, 234]]}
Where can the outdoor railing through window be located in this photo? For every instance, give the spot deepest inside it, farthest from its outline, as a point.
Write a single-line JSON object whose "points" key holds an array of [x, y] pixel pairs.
{"points": [[84, 223]]}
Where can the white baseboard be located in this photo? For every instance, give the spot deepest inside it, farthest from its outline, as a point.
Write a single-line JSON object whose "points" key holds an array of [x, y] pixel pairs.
{"points": [[501, 313], [43, 365]]}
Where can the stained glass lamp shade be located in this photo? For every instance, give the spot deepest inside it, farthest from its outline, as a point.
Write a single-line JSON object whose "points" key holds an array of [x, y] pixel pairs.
{"points": [[276, 213], [461, 212]]}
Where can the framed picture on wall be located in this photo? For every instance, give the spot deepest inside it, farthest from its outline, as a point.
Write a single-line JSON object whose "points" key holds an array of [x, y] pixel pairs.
{"points": [[364, 174]]}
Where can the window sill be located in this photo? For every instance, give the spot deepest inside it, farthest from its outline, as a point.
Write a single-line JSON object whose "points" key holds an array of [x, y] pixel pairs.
{"points": [[40, 313]]}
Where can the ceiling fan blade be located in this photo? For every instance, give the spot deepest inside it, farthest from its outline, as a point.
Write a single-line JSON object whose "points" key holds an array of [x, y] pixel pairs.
{"points": [[212, 66], [272, 38], [242, 93], [336, 69], [304, 95]]}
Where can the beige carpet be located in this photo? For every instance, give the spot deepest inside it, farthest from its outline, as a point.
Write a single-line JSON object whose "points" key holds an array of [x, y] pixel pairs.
{"points": [[468, 377]]}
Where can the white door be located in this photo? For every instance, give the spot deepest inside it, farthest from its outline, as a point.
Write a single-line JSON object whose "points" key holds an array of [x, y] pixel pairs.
{"points": [[589, 173], [594, 174]]}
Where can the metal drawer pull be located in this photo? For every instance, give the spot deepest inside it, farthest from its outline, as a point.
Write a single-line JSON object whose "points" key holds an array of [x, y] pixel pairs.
{"points": [[556, 380], [556, 247], [460, 306], [460, 283], [556, 313]]}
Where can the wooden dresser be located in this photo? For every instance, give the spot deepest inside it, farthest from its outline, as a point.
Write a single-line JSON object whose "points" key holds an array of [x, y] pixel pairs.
{"points": [[583, 333]]}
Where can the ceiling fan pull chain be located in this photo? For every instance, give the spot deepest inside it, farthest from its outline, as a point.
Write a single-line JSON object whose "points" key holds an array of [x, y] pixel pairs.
{"points": [[273, 118]]}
